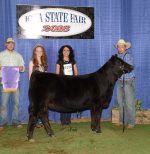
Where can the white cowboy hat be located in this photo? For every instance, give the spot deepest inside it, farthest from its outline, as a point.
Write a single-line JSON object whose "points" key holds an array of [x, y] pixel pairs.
{"points": [[122, 41]]}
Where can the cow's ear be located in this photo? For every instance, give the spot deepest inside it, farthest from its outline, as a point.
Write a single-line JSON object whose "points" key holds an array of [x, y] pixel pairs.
{"points": [[114, 55]]}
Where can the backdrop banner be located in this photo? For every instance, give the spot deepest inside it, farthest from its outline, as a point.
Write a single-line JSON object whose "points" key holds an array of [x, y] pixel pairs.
{"points": [[111, 21], [55, 22]]}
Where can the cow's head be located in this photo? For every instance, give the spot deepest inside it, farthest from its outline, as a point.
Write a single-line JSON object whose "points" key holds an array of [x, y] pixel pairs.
{"points": [[119, 66]]}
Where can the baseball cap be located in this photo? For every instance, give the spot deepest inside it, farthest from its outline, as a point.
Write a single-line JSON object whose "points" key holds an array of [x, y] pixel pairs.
{"points": [[10, 40]]}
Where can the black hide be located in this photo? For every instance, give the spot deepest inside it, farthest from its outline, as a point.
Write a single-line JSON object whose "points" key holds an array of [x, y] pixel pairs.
{"points": [[73, 93]]}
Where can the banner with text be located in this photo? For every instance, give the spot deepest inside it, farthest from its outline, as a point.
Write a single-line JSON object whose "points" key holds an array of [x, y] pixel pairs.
{"points": [[36, 22]]}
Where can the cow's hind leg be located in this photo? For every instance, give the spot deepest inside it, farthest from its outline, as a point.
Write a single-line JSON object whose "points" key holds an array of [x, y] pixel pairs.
{"points": [[93, 121], [31, 126], [45, 121], [98, 118]]}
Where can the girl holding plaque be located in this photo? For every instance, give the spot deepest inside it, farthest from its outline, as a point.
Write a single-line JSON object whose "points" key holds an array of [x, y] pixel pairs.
{"points": [[38, 62], [66, 65]]}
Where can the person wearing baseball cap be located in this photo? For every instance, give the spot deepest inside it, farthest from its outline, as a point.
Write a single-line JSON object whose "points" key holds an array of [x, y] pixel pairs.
{"points": [[10, 58], [125, 87]]}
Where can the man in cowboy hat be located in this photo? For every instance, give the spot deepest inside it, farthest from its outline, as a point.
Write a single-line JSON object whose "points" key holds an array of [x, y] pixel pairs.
{"points": [[125, 88], [10, 58]]}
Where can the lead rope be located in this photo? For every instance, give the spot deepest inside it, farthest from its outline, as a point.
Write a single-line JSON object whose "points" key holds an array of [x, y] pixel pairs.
{"points": [[123, 86], [123, 116]]}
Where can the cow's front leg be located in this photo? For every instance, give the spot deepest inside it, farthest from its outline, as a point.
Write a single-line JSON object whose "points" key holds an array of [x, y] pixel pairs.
{"points": [[45, 121], [98, 120], [31, 126], [95, 119]]}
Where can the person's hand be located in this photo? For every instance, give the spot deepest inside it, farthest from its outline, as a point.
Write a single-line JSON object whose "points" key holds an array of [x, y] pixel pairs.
{"points": [[20, 68]]}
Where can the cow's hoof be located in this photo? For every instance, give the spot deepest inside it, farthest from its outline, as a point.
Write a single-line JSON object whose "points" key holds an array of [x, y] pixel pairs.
{"points": [[51, 134], [98, 131], [93, 129], [31, 140]]}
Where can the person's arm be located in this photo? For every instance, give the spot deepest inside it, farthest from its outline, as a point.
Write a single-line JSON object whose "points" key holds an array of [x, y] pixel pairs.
{"points": [[57, 69], [0, 62], [21, 64], [129, 59], [21, 68], [75, 69], [30, 68]]}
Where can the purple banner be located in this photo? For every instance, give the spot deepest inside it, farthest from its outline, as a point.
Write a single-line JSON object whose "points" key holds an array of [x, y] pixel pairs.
{"points": [[10, 78]]}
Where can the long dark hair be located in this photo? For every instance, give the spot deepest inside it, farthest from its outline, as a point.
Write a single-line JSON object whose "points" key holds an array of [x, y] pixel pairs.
{"points": [[60, 53], [43, 57]]}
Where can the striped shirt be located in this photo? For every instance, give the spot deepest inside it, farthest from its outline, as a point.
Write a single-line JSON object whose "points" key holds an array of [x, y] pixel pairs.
{"points": [[127, 57], [10, 59]]}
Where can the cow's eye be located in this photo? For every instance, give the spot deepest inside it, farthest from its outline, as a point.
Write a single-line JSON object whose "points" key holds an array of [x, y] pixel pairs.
{"points": [[121, 67]]}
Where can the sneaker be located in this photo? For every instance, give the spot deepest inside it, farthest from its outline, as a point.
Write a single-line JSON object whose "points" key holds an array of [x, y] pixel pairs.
{"points": [[19, 126], [130, 126], [64, 126]]}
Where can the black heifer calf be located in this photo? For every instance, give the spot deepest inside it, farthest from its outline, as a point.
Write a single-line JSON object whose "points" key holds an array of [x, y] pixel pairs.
{"points": [[73, 93]]}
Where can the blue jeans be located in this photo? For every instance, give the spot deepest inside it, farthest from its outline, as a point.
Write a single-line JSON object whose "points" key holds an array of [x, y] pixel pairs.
{"points": [[4, 107], [126, 99], [65, 118], [79, 114]]}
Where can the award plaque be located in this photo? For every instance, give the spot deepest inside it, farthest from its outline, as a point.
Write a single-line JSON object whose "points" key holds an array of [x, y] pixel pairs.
{"points": [[10, 78]]}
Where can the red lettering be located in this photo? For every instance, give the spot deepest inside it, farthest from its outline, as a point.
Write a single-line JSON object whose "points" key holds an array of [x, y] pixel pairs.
{"points": [[56, 28]]}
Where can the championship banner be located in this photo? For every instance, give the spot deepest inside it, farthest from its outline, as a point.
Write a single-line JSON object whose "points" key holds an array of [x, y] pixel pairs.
{"points": [[36, 22], [10, 78]]}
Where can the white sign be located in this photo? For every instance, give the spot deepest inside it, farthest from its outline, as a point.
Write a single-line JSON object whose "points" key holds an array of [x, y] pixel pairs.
{"points": [[68, 69], [55, 22]]}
